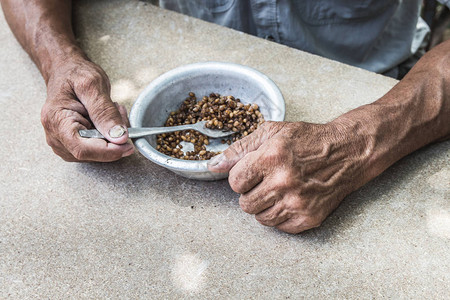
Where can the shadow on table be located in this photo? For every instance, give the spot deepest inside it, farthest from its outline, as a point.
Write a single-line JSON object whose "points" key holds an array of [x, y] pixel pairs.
{"points": [[138, 177]]}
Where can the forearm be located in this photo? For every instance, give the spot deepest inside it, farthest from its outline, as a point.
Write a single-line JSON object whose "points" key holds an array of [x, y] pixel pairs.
{"points": [[44, 29], [416, 112]]}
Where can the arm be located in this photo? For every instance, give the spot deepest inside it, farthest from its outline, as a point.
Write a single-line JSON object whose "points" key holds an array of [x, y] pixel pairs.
{"points": [[293, 175], [413, 114], [78, 91]]}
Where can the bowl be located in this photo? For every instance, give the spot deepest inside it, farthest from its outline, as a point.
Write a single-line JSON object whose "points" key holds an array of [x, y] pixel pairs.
{"points": [[166, 93]]}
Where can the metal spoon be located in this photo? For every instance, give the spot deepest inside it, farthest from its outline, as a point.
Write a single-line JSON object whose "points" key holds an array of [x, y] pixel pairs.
{"points": [[144, 131]]}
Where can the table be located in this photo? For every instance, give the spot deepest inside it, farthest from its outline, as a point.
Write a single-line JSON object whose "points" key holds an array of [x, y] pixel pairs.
{"points": [[132, 229]]}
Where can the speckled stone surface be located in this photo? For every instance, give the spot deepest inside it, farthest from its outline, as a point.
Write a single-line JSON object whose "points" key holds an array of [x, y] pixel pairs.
{"points": [[132, 229]]}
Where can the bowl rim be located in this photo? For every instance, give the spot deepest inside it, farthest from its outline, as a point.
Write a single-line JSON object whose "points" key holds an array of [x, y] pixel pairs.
{"points": [[136, 113]]}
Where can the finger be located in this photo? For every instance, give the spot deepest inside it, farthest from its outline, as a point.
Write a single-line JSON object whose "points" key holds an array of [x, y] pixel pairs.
{"points": [[59, 150], [271, 190], [264, 163], [225, 161], [67, 156], [70, 108], [246, 173], [123, 113], [273, 215], [73, 105], [296, 225], [95, 95], [100, 150], [259, 199], [52, 128], [85, 149]]}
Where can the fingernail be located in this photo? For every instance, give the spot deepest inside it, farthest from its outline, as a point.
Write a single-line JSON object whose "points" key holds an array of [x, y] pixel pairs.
{"points": [[216, 160], [117, 131]]}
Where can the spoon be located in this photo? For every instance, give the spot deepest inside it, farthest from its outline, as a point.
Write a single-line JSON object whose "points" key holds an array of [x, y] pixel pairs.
{"points": [[144, 131]]}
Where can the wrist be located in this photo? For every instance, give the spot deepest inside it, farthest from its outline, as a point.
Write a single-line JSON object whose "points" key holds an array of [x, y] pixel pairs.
{"points": [[390, 128], [369, 139], [411, 115], [54, 52], [50, 64]]}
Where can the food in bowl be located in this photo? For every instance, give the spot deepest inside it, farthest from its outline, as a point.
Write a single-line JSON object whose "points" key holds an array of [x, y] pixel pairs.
{"points": [[220, 112], [166, 92]]}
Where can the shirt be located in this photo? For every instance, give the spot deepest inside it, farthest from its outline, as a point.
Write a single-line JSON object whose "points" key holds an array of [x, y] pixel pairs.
{"points": [[376, 35]]}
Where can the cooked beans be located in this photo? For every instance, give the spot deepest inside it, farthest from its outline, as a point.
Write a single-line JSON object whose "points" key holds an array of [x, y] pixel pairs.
{"points": [[221, 112]]}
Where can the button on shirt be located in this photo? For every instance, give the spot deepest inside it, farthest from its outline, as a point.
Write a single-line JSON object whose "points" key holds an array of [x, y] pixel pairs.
{"points": [[376, 35]]}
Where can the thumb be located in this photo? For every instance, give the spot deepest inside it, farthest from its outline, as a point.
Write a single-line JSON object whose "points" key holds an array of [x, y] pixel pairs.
{"points": [[106, 117], [225, 161]]}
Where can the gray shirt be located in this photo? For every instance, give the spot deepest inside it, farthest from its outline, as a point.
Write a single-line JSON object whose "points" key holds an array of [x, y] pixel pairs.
{"points": [[376, 35]]}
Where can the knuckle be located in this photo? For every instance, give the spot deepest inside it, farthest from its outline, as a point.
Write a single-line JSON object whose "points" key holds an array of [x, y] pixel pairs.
{"points": [[46, 115], [51, 142], [51, 122], [313, 221], [237, 148], [260, 218], [278, 146], [235, 183], [295, 226], [265, 222], [271, 127], [296, 203], [277, 151], [310, 222], [246, 205], [266, 219], [91, 79], [282, 180], [91, 83], [266, 125]]}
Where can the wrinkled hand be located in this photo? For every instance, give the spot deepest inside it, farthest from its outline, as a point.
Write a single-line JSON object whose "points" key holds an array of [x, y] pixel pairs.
{"points": [[78, 97], [293, 175]]}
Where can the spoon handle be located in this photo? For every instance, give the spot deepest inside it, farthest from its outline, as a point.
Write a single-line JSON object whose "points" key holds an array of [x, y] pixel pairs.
{"points": [[144, 131], [136, 132]]}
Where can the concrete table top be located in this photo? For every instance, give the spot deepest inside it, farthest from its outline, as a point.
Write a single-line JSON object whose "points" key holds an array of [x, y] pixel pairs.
{"points": [[132, 229]]}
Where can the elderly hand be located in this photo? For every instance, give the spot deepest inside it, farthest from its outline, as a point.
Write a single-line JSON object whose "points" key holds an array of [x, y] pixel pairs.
{"points": [[78, 97], [293, 175]]}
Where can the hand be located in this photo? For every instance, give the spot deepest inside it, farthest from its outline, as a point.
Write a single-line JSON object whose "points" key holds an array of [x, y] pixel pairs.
{"points": [[78, 97], [293, 175]]}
